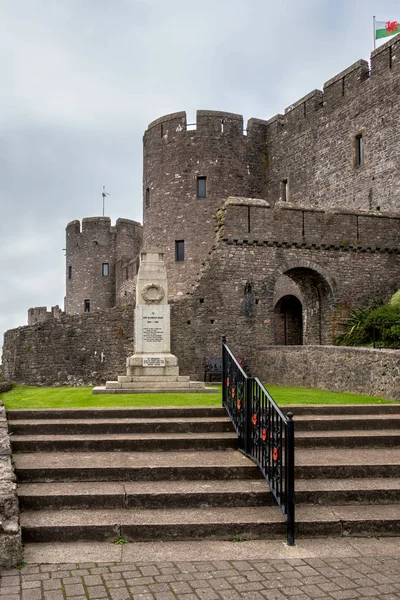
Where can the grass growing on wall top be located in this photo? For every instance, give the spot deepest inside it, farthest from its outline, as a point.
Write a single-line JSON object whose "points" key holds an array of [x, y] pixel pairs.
{"points": [[66, 397]]}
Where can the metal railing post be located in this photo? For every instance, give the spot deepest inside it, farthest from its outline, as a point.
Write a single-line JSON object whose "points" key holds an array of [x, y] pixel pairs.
{"points": [[248, 409], [290, 478], [223, 371]]}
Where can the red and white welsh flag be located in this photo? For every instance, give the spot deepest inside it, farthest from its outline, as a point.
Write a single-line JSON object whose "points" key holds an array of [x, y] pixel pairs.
{"points": [[387, 29]]}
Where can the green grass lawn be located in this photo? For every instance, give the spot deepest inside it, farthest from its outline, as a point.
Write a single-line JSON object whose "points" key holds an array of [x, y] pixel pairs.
{"points": [[66, 397]]}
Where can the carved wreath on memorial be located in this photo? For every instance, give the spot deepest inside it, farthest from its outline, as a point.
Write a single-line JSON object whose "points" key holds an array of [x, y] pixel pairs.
{"points": [[153, 293]]}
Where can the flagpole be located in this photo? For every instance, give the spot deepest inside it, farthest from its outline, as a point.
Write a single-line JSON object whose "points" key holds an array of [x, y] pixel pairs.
{"points": [[103, 195], [374, 26]]}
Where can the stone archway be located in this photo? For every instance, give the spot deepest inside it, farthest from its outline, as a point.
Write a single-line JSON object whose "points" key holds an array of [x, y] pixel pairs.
{"points": [[302, 284], [288, 321]]}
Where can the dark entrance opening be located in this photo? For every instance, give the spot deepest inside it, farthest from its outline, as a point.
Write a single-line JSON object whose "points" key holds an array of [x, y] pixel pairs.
{"points": [[288, 329]]}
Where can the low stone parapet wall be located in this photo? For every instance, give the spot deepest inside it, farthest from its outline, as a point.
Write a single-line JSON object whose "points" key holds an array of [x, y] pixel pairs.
{"points": [[335, 368], [10, 532]]}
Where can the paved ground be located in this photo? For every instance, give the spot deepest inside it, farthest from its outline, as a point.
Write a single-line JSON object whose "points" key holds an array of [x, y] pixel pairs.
{"points": [[315, 569]]}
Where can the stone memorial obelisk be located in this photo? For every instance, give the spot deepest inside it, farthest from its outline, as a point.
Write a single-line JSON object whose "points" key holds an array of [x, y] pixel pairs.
{"points": [[152, 367]]}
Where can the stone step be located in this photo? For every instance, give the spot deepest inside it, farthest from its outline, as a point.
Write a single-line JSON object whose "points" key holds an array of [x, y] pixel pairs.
{"points": [[22, 427], [333, 463], [154, 412], [342, 409], [213, 523], [134, 466], [201, 493], [345, 422], [348, 439], [193, 387], [115, 442], [158, 378], [144, 494]]}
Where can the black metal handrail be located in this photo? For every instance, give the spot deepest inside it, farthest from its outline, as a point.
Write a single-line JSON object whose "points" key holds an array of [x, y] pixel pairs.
{"points": [[265, 434], [382, 324]]}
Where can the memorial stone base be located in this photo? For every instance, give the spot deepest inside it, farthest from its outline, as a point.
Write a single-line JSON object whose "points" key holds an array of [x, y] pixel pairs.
{"points": [[152, 367], [152, 374]]}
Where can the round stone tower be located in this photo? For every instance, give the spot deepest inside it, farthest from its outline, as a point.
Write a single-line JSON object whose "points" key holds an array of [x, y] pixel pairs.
{"points": [[188, 173], [91, 257]]}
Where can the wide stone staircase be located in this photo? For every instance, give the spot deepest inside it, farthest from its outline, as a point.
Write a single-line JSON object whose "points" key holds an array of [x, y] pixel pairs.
{"points": [[174, 473]]}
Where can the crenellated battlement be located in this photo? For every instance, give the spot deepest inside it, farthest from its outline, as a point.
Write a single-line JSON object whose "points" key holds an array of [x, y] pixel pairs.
{"points": [[102, 224], [40, 314], [208, 122], [93, 248], [245, 219]]}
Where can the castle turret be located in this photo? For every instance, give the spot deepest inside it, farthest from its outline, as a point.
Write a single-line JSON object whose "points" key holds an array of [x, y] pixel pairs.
{"points": [[188, 173], [91, 257]]}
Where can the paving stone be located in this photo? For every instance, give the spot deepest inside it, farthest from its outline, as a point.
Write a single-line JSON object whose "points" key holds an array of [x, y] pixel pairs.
{"points": [[27, 585], [53, 595], [74, 590], [34, 594], [12, 589], [119, 594], [97, 591], [7, 581]]}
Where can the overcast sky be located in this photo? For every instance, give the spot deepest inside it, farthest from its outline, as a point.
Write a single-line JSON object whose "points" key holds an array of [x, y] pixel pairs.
{"points": [[81, 80]]}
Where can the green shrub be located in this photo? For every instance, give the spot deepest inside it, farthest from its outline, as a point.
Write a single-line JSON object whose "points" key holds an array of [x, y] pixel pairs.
{"points": [[395, 300], [359, 327]]}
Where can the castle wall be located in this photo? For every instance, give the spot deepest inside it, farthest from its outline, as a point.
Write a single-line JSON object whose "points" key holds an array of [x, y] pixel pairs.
{"points": [[313, 145], [218, 305], [40, 314], [87, 250], [305, 158], [72, 350], [235, 294], [334, 368], [174, 156]]}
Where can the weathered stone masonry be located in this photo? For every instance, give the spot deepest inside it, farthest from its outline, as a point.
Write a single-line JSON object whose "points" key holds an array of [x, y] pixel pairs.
{"points": [[358, 370], [10, 533], [308, 232], [73, 350]]}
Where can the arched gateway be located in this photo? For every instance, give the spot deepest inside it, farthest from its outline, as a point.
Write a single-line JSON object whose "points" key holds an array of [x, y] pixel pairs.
{"points": [[303, 299]]}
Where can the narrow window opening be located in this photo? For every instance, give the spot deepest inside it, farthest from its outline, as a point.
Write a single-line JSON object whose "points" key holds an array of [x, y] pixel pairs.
{"points": [[201, 187], [126, 273], [343, 86], [87, 305], [284, 190], [69, 272], [147, 197], [212, 321], [162, 130], [256, 300], [179, 250], [105, 269], [201, 300], [188, 322], [222, 125], [359, 150]]}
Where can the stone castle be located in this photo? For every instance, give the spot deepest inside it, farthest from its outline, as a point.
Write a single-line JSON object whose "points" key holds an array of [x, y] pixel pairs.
{"points": [[271, 232]]}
